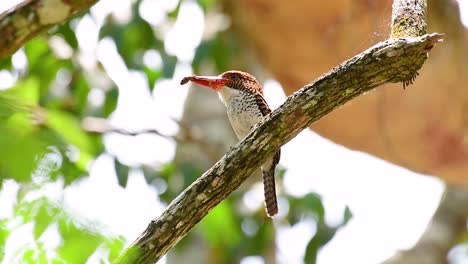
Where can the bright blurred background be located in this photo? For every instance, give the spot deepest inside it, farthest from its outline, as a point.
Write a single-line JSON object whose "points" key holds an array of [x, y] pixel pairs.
{"points": [[76, 187]]}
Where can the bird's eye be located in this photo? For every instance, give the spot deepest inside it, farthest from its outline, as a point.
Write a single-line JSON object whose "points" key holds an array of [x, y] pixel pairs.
{"points": [[235, 77]]}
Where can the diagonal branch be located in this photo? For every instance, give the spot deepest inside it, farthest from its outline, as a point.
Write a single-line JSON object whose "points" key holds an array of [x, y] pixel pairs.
{"points": [[395, 60], [31, 17]]}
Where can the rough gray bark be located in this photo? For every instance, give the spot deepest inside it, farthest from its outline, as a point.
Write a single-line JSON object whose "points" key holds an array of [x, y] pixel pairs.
{"points": [[26, 20], [395, 60]]}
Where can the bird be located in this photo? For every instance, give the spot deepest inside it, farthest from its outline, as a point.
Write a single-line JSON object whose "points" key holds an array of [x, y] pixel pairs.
{"points": [[242, 95]]}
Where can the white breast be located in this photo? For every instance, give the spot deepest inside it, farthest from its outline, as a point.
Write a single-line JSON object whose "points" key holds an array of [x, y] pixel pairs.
{"points": [[242, 110]]}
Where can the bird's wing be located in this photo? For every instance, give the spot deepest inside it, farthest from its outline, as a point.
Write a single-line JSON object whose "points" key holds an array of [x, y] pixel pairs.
{"points": [[262, 104]]}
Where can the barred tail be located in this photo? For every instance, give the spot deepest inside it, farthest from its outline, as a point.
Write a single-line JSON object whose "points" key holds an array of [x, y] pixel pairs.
{"points": [[269, 189]]}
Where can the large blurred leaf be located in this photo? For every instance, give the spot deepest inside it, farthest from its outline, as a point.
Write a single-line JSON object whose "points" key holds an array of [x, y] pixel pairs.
{"points": [[308, 205], [35, 49], [25, 91], [10, 105], [70, 129], [19, 153], [79, 243], [220, 227], [43, 63]]}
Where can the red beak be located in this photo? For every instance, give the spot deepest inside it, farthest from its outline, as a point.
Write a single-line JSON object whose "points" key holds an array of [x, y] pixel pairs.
{"points": [[212, 82]]}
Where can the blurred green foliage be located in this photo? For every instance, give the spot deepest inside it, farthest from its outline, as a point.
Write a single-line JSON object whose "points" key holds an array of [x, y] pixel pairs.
{"points": [[42, 140]]}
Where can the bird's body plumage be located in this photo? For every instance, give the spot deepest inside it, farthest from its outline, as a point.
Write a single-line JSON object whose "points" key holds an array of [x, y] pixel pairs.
{"points": [[246, 107], [242, 95]]}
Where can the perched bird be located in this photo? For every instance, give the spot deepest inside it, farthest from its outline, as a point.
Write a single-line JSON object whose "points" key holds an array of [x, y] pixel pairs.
{"points": [[242, 95]]}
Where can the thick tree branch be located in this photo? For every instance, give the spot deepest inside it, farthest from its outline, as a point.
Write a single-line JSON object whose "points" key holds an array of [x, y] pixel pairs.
{"points": [[395, 60], [32, 17]]}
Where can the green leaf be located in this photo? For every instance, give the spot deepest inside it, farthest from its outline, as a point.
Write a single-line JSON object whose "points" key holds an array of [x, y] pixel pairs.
{"points": [[308, 205], [68, 34], [35, 49], [174, 13], [78, 243], [10, 105], [4, 233], [80, 89], [5, 64], [323, 235], [25, 91], [152, 76], [347, 215], [169, 64], [220, 227], [19, 154], [115, 247], [189, 171], [70, 129], [110, 103], [206, 4], [44, 216], [314, 201], [43, 64], [122, 172], [71, 171]]}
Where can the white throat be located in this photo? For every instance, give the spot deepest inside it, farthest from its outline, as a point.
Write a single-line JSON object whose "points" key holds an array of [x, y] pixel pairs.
{"points": [[227, 95]]}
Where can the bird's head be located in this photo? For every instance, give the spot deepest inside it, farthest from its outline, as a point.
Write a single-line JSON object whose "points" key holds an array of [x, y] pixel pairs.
{"points": [[237, 80]]}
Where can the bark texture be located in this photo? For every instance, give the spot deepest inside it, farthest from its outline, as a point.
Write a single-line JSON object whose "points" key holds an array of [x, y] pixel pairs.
{"points": [[395, 60], [26, 20]]}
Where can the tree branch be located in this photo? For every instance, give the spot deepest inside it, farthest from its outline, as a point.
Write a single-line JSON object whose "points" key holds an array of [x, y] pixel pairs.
{"points": [[395, 60], [31, 17]]}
